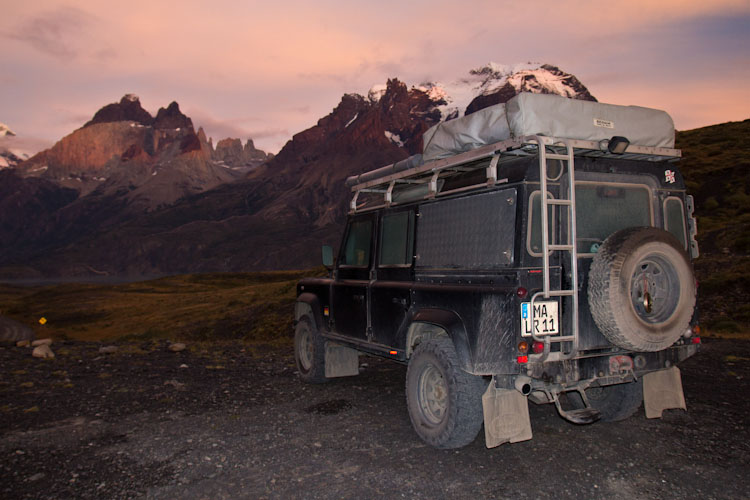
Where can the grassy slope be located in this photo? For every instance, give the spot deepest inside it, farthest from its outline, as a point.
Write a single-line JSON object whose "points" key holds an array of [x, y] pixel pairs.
{"points": [[716, 167], [249, 306]]}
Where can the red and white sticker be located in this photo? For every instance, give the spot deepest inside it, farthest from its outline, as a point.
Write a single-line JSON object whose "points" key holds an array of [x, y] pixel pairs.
{"points": [[669, 176]]}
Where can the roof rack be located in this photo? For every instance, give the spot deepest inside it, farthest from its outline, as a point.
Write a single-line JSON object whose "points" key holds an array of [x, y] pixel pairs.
{"points": [[424, 178]]}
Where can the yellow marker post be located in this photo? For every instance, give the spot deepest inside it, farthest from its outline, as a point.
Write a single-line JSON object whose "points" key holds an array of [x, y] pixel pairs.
{"points": [[42, 320]]}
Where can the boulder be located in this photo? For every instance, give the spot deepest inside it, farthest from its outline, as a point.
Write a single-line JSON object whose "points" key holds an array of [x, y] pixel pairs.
{"points": [[43, 351], [177, 347]]}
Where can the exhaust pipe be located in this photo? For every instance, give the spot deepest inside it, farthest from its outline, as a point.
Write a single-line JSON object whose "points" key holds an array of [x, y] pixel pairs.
{"points": [[523, 384]]}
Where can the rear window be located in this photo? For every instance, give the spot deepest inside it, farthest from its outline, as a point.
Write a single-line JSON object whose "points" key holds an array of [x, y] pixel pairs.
{"points": [[396, 239], [601, 209], [674, 219]]}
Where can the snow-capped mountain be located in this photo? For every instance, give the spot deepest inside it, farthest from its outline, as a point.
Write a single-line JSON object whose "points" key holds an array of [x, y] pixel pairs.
{"points": [[5, 130], [495, 83], [9, 156]]}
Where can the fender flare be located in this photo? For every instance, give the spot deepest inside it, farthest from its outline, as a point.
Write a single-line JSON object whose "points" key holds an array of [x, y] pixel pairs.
{"points": [[309, 303], [448, 321]]}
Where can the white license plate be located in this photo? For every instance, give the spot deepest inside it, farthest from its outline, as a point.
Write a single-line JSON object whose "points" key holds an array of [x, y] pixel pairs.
{"points": [[545, 318]]}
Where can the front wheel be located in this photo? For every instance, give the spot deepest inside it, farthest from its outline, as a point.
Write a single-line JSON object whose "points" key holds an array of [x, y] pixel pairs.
{"points": [[309, 352], [444, 402]]}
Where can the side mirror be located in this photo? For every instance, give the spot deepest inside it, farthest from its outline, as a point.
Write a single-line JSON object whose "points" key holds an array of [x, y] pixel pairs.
{"points": [[327, 256]]}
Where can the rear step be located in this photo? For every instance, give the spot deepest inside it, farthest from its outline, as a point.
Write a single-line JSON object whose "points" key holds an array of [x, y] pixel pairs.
{"points": [[582, 416], [587, 415]]}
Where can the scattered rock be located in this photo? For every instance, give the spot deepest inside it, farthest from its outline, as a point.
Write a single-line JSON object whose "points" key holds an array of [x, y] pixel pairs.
{"points": [[183, 365], [39, 342], [23, 343], [177, 385], [108, 349], [37, 476], [43, 351], [177, 347], [331, 407]]}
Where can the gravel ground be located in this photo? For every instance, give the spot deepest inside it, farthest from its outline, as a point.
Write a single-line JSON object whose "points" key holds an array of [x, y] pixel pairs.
{"points": [[234, 421]]}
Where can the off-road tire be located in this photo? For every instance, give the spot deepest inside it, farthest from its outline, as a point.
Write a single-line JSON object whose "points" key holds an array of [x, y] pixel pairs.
{"points": [[444, 402], [309, 352], [614, 402], [641, 289]]}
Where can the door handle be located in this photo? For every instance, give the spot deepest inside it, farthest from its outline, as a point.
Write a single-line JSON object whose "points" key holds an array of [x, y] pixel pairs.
{"points": [[396, 300], [359, 298]]}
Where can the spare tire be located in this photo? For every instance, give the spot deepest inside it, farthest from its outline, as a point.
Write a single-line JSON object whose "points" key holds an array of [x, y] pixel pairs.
{"points": [[642, 289]]}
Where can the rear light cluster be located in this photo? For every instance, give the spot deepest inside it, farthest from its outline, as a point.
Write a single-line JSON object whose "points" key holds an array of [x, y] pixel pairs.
{"points": [[692, 334], [523, 347]]}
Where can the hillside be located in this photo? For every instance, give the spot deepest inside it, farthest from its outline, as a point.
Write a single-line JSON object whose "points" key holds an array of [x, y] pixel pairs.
{"points": [[716, 167]]}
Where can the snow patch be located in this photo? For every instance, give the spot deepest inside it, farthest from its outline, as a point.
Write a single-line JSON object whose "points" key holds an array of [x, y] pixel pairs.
{"points": [[376, 92], [351, 121], [39, 169], [452, 99], [5, 130], [3, 162], [131, 97], [394, 138]]}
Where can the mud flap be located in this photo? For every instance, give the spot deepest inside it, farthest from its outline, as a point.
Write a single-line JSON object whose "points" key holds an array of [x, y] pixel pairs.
{"points": [[662, 390], [506, 416], [341, 361]]}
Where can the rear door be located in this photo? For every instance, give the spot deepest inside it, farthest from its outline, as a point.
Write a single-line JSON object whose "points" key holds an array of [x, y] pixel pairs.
{"points": [[349, 294], [390, 292]]}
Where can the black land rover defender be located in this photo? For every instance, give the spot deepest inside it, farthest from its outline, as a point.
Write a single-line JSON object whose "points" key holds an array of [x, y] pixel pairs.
{"points": [[556, 270]]}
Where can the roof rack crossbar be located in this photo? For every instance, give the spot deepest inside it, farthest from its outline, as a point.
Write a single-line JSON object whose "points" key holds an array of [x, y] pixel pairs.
{"points": [[499, 152]]}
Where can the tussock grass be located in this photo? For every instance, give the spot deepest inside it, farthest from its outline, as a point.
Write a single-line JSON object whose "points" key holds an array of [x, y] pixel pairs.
{"points": [[255, 307]]}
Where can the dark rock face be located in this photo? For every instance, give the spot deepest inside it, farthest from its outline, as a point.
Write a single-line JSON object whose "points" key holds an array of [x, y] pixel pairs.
{"points": [[172, 118], [128, 109], [232, 154], [28, 214]]}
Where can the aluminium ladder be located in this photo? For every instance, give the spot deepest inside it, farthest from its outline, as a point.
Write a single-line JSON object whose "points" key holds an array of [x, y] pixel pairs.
{"points": [[569, 247]]}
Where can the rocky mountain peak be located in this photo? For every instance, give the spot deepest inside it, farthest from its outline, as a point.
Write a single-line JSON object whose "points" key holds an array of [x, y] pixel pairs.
{"points": [[128, 109], [172, 118]]}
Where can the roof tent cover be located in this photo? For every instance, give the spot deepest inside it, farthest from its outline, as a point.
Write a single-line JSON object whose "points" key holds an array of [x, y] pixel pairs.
{"points": [[550, 115]]}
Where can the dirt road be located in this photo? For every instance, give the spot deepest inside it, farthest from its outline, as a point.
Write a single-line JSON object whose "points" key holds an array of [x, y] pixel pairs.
{"points": [[219, 422]]}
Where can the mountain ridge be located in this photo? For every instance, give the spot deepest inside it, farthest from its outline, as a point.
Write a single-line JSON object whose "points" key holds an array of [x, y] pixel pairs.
{"points": [[272, 214]]}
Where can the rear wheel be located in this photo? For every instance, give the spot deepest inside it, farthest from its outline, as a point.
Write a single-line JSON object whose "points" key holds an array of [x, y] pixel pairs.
{"points": [[309, 352], [444, 402]]}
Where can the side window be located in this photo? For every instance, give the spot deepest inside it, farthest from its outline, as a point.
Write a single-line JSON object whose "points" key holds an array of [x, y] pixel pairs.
{"points": [[357, 248], [396, 239], [674, 219], [534, 235]]}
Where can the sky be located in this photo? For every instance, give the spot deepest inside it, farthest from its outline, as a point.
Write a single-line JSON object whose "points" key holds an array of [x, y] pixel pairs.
{"points": [[267, 70]]}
